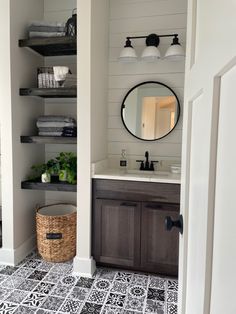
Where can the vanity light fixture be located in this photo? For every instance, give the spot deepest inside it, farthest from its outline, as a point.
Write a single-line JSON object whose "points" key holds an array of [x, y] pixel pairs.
{"points": [[151, 53], [128, 54]]}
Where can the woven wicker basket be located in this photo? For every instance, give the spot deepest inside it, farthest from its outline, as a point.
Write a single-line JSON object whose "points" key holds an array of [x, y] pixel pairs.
{"points": [[56, 232]]}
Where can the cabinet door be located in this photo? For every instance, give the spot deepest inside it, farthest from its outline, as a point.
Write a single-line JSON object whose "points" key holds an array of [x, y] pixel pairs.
{"points": [[159, 248], [116, 232]]}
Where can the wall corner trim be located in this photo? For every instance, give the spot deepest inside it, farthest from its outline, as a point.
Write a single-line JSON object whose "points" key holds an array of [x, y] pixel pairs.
{"points": [[84, 267]]}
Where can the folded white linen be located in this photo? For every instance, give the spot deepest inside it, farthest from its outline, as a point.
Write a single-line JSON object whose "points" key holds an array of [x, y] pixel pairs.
{"points": [[60, 73], [49, 29], [46, 34], [46, 23]]}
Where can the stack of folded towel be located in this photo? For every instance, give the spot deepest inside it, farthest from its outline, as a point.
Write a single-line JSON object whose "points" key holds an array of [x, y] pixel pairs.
{"points": [[70, 80], [56, 126], [46, 29]]}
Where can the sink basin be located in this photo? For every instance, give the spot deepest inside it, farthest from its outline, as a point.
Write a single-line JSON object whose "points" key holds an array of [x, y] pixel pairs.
{"points": [[148, 173]]}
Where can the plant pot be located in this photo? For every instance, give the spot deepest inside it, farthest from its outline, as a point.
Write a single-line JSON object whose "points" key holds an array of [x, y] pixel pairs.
{"points": [[62, 175], [46, 177]]}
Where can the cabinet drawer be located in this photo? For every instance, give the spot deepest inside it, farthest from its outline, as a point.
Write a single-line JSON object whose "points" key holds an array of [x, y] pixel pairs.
{"points": [[136, 191], [160, 206]]}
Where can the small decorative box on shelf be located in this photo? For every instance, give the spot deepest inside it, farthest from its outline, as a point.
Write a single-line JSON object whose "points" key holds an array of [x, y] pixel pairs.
{"points": [[48, 140], [53, 186], [53, 46], [49, 92]]}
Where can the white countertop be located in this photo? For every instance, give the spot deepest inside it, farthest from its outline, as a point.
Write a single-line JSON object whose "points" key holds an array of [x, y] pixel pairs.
{"points": [[116, 174]]}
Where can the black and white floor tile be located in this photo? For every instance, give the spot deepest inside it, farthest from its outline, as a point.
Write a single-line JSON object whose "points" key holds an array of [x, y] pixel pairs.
{"points": [[36, 286]]}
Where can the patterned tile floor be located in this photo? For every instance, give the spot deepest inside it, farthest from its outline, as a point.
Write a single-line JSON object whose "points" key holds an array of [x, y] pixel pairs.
{"points": [[36, 286]]}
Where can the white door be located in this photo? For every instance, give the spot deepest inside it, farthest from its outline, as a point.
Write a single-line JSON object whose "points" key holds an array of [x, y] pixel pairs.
{"points": [[207, 271]]}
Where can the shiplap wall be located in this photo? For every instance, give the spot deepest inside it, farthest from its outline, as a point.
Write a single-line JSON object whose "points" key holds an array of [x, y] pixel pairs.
{"points": [[135, 18], [60, 10]]}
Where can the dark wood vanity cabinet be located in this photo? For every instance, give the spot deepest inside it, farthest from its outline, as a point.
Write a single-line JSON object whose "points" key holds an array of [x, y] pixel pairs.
{"points": [[128, 225]]}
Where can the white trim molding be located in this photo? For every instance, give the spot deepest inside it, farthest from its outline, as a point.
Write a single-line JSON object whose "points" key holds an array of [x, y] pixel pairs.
{"points": [[84, 267], [13, 257]]}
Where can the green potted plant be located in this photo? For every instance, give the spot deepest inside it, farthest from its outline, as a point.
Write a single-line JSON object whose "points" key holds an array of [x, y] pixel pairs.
{"points": [[67, 163], [41, 171], [64, 167], [53, 167]]}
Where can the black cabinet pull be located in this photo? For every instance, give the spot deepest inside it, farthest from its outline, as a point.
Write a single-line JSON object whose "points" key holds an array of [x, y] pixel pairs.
{"points": [[169, 223], [128, 204]]}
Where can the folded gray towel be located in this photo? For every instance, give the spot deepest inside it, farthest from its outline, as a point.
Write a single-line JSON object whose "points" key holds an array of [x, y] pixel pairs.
{"points": [[55, 124], [55, 118], [50, 133], [70, 81], [46, 23], [50, 129], [70, 84], [49, 29], [46, 34]]}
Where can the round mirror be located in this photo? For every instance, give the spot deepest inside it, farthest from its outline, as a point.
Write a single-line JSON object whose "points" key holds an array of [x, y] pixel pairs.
{"points": [[150, 111]]}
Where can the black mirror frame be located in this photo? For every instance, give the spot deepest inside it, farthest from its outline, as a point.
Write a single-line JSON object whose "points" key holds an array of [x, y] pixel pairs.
{"points": [[140, 84]]}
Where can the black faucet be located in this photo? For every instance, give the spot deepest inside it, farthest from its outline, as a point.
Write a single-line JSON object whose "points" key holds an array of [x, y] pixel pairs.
{"points": [[147, 165]]}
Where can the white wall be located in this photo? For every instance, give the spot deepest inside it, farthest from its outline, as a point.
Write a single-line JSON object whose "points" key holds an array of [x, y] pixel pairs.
{"points": [[18, 114], [135, 18], [60, 10]]}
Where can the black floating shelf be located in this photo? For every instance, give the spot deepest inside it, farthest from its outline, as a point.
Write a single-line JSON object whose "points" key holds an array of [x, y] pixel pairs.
{"points": [[53, 46], [49, 92], [55, 186], [48, 140]]}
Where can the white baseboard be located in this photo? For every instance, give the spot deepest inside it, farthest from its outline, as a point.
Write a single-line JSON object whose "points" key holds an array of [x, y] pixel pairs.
{"points": [[24, 249], [84, 267], [7, 257], [13, 257]]}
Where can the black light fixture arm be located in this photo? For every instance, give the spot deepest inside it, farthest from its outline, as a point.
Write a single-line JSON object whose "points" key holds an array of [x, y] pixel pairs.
{"points": [[137, 37], [151, 39]]}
